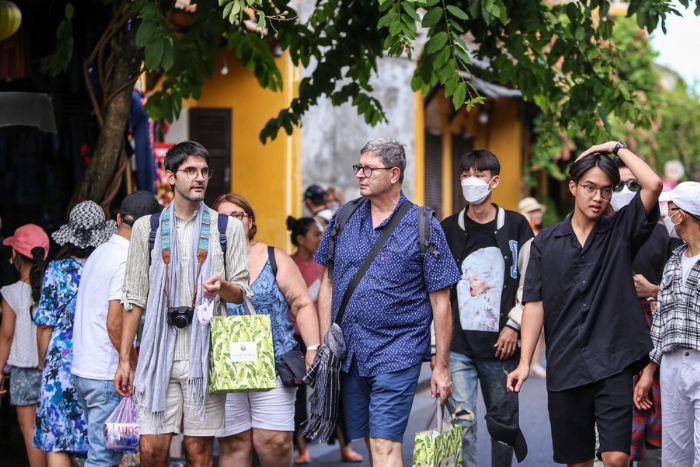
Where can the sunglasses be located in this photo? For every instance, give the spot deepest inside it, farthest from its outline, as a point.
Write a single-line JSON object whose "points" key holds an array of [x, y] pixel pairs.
{"points": [[633, 186]]}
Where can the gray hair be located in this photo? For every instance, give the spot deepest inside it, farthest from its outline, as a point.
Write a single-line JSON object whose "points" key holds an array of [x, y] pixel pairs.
{"points": [[390, 151]]}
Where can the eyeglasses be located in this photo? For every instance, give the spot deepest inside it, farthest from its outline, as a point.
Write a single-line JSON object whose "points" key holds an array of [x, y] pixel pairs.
{"points": [[632, 185], [239, 215], [192, 173], [367, 170], [591, 190]]}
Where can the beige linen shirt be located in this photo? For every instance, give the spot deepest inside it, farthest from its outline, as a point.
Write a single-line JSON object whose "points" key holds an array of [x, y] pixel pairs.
{"points": [[137, 275]]}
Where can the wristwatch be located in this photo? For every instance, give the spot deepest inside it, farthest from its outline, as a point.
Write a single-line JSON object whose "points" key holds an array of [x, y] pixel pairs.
{"points": [[618, 146]]}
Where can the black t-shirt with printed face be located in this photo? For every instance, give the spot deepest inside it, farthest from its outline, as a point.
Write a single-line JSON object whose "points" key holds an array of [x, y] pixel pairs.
{"points": [[475, 319]]}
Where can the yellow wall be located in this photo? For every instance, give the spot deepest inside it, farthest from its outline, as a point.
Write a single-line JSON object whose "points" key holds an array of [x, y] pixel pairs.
{"points": [[269, 175], [503, 135]]}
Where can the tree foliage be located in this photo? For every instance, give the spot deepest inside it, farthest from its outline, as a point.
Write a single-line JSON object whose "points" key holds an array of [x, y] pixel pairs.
{"points": [[562, 56]]}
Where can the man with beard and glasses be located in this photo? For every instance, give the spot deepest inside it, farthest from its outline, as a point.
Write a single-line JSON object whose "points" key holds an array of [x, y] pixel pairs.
{"points": [[166, 275], [579, 284]]}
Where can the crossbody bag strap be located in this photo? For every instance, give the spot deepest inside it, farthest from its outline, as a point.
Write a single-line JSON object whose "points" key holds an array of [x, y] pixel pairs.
{"points": [[386, 233]]}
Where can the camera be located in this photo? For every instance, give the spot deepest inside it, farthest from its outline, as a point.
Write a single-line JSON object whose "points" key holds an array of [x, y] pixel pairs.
{"points": [[180, 316]]}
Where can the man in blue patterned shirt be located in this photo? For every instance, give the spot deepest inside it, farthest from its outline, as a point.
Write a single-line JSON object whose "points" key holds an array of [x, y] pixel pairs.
{"points": [[387, 320]]}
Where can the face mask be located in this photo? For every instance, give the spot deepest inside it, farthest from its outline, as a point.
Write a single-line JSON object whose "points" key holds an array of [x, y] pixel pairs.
{"points": [[475, 190], [334, 206], [670, 226], [621, 199]]}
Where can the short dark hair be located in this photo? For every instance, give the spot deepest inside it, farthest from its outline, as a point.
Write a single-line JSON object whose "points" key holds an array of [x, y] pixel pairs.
{"points": [[298, 227], [600, 160], [480, 160], [181, 151], [619, 163]]}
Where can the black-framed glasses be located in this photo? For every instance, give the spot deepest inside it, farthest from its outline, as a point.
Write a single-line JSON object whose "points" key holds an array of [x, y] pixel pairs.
{"points": [[192, 173], [367, 170], [591, 190], [632, 185], [239, 215]]}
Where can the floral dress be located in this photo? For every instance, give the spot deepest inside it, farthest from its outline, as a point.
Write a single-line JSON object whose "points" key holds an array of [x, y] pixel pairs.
{"points": [[268, 300], [60, 421]]}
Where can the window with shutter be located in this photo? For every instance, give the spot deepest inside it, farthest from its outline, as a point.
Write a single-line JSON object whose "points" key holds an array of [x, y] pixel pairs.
{"points": [[433, 173], [212, 129]]}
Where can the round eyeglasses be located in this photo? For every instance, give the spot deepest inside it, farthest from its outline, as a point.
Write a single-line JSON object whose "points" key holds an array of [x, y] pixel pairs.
{"points": [[591, 190], [192, 173], [633, 185]]}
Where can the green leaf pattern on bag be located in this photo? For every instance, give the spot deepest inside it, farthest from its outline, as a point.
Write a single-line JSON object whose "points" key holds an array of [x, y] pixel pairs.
{"points": [[431, 449], [226, 375]]}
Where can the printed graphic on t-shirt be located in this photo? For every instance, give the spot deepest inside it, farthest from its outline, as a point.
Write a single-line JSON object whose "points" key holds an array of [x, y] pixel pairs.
{"points": [[479, 290]]}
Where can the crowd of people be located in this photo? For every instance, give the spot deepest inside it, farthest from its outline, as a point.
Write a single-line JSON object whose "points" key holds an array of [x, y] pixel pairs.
{"points": [[610, 289]]}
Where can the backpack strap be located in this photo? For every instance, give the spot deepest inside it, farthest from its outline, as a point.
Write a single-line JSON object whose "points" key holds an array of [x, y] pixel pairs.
{"points": [[223, 223], [155, 222], [425, 232], [344, 213], [271, 258]]}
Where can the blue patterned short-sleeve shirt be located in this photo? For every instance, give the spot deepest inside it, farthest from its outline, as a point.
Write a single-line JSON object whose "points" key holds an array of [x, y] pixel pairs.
{"points": [[387, 321]]}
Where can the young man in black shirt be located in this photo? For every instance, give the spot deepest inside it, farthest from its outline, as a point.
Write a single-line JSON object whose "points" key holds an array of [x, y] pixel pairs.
{"points": [[580, 285], [490, 246]]}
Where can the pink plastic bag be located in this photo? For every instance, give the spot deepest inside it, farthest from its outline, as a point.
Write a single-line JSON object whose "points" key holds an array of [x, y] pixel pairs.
{"points": [[121, 430]]}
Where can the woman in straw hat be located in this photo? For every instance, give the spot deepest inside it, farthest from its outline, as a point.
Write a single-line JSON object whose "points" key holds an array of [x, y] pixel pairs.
{"points": [[61, 429]]}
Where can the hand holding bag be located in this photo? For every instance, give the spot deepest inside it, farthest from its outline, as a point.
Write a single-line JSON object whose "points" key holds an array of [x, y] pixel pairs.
{"points": [[438, 447], [242, 356]]}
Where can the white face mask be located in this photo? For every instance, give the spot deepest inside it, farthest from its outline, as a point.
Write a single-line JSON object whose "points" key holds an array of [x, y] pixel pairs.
{"points": [[475, 190], [621, 199], [670, 226]]}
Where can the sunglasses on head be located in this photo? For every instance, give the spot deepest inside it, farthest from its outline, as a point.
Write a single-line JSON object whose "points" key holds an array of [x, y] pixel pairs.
{"points": [[632, 185]]}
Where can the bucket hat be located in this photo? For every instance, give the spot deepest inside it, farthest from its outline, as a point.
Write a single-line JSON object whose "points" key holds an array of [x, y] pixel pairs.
{"points": [[86, 227]]}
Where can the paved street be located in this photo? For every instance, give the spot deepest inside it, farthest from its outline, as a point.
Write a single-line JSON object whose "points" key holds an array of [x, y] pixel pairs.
{"points": [[534, 422]]}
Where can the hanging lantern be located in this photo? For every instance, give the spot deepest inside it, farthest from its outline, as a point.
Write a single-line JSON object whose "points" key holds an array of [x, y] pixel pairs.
{"points": [[10, 19]]}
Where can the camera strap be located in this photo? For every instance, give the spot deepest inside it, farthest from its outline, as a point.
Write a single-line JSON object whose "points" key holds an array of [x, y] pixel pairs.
{"points": [[202, 250]]}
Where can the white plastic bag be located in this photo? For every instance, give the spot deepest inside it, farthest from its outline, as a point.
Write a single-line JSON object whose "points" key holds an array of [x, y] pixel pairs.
{"points": [[121, 429]]}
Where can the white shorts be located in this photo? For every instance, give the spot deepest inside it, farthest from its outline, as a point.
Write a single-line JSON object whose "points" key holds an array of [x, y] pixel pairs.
{"points": [[265, 410], [178, 410]]}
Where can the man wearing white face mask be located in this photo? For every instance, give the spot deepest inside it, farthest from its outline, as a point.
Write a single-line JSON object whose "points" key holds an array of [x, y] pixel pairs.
{"points": [[491, 247], [675, 334], [648, 267]]}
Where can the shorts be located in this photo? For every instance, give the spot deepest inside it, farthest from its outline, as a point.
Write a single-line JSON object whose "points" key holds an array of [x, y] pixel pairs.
{"points": [[378, 406], [263, 410], [179, 413], [574, 414], [24, 386]]}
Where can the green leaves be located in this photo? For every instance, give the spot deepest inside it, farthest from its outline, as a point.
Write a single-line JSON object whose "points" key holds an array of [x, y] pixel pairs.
{"points": [[60, 59], [156, 38]]}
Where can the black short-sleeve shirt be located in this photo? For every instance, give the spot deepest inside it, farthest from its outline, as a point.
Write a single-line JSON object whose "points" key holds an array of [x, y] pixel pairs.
{"points": [[593, 324], [652, 257]]}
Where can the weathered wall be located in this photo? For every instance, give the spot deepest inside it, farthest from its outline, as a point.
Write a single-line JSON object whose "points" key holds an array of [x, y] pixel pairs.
{"points": [[333, 136]]}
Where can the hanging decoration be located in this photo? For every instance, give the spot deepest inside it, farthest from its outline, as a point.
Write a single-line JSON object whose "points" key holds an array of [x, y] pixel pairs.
{"points": [[10, 19]]}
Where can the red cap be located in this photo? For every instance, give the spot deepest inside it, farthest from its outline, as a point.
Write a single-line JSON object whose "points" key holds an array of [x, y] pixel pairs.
{"points": [[27, 238]]}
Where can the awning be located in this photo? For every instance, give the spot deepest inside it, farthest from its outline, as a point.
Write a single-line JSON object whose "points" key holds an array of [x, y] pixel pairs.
{"points": [[27, 109]]}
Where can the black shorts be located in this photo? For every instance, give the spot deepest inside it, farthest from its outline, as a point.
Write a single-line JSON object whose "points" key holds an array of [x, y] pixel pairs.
{"points": [[573, 414]]}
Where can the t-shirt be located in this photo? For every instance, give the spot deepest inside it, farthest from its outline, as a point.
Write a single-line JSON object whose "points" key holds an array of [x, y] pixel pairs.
{"points": [[312, 272], [23, 351], [479, 290], [687, 265], [654, 254], [94, 356]]}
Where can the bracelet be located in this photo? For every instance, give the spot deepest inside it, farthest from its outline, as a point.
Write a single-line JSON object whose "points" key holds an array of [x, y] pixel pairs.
{"points": [[313, 347]]}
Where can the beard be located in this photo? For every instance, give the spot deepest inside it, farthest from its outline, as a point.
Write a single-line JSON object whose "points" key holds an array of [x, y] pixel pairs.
{"points": [[191, 195]]}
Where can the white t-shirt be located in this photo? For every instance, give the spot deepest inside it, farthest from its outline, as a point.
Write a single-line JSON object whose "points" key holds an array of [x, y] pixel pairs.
{"points": [[687, 265], [94, 356], [23, 351]]}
